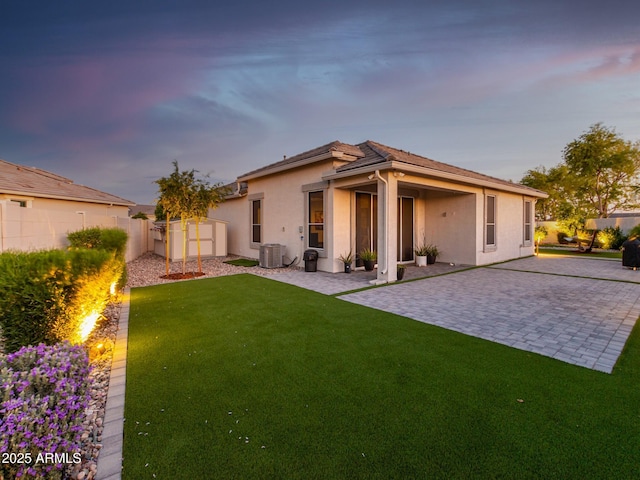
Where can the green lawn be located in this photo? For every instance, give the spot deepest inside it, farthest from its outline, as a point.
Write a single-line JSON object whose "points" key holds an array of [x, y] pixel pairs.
{"points": [[246, 377]]}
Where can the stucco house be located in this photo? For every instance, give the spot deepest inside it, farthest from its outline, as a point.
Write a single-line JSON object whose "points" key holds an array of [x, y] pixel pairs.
{"points": [[38, 208], [340, 197]]}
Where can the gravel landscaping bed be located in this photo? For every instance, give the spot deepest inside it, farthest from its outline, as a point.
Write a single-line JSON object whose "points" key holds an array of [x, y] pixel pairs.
{"points": [[148, 268]]}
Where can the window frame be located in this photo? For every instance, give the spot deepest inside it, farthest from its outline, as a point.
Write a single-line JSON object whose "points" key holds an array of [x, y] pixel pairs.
{"points": [[253, 200], [528, 225], [311, 223], [490, 222]]}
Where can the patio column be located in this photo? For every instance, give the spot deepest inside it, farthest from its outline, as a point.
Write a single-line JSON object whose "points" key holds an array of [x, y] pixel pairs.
{"points": [[387, 227]]}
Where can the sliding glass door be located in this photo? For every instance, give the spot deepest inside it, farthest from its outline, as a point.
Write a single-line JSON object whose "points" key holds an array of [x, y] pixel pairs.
{"points": [[405, 229], [366, 223]]}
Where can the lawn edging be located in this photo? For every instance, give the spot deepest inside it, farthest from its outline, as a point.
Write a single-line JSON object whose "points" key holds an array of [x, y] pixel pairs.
{"points": [[109, 463]]}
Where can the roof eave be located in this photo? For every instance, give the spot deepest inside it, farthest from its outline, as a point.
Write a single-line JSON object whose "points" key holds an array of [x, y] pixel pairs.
{"points": [[430, 172], [121, 202], [301, 163]]}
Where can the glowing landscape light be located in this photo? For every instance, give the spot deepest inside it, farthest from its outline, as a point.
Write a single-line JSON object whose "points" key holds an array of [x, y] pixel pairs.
{"points": [[87, 325]]}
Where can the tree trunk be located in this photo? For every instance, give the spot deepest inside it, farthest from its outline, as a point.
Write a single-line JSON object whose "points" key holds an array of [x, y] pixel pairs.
{"points": [[183, 224], [167, 246], [198, 243]]}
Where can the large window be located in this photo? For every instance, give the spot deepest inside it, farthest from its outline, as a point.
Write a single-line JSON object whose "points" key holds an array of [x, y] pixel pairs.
{"points": [[316, 219], [490, 222], [528, 226], [256, 221]]}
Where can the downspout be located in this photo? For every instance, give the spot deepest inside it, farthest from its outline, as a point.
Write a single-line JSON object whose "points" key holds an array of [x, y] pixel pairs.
{"points": [[386, 220]]}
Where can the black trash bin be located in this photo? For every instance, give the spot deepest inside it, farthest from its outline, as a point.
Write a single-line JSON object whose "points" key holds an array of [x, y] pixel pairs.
{"points": [[310, 258], [631, 254]]}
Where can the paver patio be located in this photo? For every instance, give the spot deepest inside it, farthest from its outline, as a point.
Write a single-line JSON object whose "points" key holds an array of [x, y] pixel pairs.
{"points": [[578, 310]]}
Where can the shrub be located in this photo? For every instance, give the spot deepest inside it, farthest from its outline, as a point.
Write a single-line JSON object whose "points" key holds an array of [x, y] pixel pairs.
{"points": [[46, 296], [111, 239], [634, 232], [611, 238], [540, 233], [45, 394]]}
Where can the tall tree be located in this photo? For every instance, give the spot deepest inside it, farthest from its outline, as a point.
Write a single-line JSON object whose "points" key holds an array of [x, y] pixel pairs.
{"points": [[559, 185], [599, 175], [606, 168]]}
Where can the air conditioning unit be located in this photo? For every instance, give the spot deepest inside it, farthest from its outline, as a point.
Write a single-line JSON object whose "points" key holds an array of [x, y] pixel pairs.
{"points": [[271, 255]]}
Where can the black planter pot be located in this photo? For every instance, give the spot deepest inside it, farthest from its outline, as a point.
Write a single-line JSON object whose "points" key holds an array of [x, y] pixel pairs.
{"points": [[431, 259], [369, 265], [400, 273], [347, 268]]}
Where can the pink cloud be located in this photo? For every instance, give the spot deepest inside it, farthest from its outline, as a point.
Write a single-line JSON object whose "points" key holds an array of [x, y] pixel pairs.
{"points": [[108, 94]]}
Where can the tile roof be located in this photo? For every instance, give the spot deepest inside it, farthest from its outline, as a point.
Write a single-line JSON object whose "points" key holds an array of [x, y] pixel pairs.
{"points": [[377, 153], [31, 181], [335, 146]]}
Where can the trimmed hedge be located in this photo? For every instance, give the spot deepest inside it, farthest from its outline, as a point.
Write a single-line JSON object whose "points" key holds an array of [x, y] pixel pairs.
{"points": [[110, 239], [44, 397], [45, 295]]}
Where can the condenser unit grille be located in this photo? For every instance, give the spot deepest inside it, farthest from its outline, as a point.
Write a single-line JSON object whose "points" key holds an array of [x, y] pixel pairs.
{"points": [[271, 255]]}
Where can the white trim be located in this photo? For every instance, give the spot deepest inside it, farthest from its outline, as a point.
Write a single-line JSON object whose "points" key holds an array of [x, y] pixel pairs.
{"points": [[490, 247], [438, 174]]}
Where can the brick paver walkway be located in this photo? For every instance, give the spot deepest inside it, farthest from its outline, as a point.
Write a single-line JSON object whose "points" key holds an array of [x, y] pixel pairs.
{"points": [[575, 309]]}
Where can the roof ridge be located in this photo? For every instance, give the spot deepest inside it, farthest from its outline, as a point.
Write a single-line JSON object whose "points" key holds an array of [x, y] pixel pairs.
{"points": [[333, 146], [38, 171]]}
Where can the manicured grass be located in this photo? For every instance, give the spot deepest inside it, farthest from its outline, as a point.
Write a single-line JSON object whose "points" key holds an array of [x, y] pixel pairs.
{"points": [[246, 377], [574, 251], [243, 262]]}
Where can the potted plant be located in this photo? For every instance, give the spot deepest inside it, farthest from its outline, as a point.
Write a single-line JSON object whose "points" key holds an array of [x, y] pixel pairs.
{"points": [[432, 254], [421, 255], [369, 258], [347, 259], [401, 269]]}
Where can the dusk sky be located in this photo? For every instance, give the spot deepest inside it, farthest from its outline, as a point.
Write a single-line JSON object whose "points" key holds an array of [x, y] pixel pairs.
{"points": [[110, 93]]}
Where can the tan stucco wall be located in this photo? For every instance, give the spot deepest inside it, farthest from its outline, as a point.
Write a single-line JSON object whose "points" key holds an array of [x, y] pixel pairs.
{"points": [[509, 229], [447, 215], [450, 224], [70, 205], [37, 228], [283, 213]]}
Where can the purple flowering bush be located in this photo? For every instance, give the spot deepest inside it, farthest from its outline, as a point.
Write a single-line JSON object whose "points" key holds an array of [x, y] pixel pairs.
{"points": [[44, 396]]}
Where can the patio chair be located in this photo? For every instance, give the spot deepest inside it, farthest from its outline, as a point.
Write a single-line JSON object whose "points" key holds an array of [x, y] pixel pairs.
{"points": [[588, 249]]}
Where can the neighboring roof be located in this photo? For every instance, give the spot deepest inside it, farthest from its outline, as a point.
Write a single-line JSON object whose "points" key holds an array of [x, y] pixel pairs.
{"points": [[335, 149], [31, 181], [146, 209], [378, 154]]}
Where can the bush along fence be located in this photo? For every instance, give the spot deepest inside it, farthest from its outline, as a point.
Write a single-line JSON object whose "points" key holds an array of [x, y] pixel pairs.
{"points": [[51, 299], [44, 397], [52, 296]]}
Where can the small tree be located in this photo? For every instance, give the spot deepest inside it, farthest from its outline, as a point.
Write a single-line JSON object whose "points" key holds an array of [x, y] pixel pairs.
{"points": [[539, 234], [189, 198], [174, 201], [204, 197]]}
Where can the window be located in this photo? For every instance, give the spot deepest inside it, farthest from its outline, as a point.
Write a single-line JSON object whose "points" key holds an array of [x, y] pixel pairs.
{"points": [[527, 221], [490, 221], [21, 203], [256, 221], [316, 219]]}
